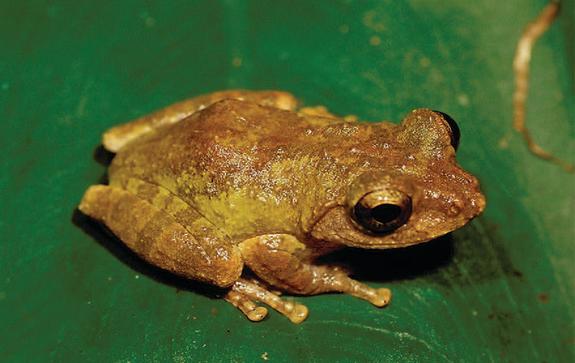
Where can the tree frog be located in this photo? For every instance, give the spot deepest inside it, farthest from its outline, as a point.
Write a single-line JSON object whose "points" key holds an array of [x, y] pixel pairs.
{"points": [[236, 180]]}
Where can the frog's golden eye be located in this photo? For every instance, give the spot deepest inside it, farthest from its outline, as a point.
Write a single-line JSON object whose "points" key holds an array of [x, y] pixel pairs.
{"points": [[382, 211], [453, 129]]}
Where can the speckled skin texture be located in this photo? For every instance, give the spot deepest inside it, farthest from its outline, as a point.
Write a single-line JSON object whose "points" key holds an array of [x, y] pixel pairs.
{"points": [[208, 186]]}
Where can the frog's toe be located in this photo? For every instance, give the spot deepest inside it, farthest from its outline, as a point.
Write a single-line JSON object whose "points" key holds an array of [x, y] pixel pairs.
{"points": [[246, 305], [298, 313], [294, 311], [257, 314], [382, 297], [378, 297]]}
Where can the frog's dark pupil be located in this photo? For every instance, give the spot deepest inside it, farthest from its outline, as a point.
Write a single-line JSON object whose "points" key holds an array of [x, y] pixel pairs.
{"points": [[385, 213]]}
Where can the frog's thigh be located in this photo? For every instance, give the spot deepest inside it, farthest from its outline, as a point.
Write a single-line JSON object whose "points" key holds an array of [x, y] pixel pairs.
{"points": [[115, 138], [158, 238], [274, 259]]}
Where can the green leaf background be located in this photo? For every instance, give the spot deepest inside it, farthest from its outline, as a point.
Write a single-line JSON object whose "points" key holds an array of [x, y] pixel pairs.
{"points": [[500, 289]]}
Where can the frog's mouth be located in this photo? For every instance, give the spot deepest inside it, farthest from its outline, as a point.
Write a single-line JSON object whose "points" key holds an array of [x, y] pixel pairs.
{"points": [[338, 226]]}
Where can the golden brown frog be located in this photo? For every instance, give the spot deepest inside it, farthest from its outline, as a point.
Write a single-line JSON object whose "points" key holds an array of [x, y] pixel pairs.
{"points": [[238, 178]]}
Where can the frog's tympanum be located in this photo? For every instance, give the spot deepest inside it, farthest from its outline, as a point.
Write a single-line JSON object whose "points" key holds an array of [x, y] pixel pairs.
{"points": [[210, 186]]}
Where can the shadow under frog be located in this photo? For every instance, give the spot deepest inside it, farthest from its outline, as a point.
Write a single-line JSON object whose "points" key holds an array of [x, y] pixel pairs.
{"points": [[434, 260], [237, 180]]}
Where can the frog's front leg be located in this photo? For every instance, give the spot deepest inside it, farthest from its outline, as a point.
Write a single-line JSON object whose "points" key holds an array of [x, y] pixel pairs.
{"points": [[274, 258]]}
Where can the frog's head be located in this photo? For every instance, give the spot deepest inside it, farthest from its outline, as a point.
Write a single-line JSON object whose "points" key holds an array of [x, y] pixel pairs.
{"points": [[413, 193]]}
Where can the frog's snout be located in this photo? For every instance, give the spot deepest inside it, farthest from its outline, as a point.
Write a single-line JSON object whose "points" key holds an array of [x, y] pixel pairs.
{"points": [[477, 198], [479, 202]]}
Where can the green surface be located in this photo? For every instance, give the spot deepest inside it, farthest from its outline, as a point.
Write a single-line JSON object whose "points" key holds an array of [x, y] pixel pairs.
{"points": [[501, 289]]}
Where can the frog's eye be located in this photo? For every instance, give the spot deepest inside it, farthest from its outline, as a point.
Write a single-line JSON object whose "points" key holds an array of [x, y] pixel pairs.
{"points": [[382, 211], [452, 128]]}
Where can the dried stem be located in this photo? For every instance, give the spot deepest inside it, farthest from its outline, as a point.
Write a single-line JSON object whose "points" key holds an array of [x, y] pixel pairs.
{"points": [[521, 68]]}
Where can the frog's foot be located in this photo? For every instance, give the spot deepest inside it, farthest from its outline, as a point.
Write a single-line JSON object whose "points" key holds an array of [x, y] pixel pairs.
{"points": [[243, 293]]}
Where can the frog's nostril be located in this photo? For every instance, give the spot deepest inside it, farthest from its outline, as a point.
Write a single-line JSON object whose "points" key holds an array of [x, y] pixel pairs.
{"points": [[479, 202], [455, 208], [468, 179]]}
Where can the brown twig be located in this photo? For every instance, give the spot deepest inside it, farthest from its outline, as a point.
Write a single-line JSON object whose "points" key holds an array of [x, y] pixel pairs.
{"points": [[521, 68]]}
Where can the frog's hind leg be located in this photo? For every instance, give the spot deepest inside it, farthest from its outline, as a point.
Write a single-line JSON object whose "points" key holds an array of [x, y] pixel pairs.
{"points": [[115, 138], [154, 231], [243, 292]]}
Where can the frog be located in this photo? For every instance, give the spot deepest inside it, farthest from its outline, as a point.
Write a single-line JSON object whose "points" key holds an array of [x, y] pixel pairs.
{"points": [[247, 190]]}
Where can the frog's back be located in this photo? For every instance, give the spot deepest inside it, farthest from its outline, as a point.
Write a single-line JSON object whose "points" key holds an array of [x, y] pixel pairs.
{"points": [[227, 138], [226, 160]]}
